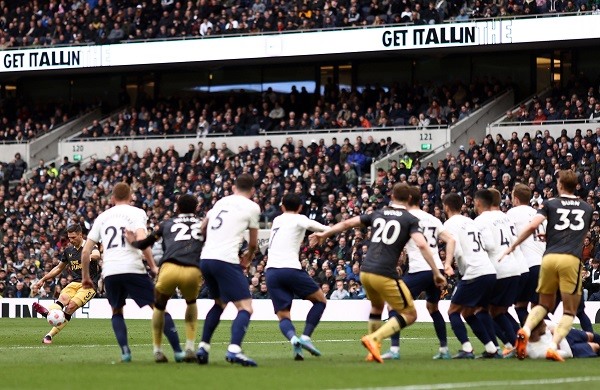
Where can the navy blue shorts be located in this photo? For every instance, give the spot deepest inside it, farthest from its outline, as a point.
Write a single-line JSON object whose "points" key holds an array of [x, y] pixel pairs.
{"points": [[474, 292], [532, 283], [225, 281], [423, 281], [522, 293], [578, 341], [138, 287], [505, 291], [285, 283]]}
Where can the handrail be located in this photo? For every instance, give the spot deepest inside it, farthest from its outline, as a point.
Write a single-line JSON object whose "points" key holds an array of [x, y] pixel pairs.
{"points": [[544, 123], [315, 30], [76, 138], [486, 104]]}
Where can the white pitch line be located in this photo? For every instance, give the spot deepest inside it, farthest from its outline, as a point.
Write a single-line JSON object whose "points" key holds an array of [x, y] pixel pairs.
{"points": [[217, 343], [481, 384]]}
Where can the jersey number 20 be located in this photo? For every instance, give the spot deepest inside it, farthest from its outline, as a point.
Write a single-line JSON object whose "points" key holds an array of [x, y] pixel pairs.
{"points": [[386, 232]]}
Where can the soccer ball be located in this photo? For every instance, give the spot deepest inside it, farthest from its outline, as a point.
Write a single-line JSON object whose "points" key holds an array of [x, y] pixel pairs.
{"points": [[56, 317]]}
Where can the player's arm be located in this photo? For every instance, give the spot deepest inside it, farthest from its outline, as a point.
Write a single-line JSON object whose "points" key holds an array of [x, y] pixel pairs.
{"points": [[95, 255], [146, 242], [54, 272], [318, 237], [537, 220], [86, 256], [204, 226], [423, 246], [140, 234], [447, 237], [248, 255], [315, 226]]}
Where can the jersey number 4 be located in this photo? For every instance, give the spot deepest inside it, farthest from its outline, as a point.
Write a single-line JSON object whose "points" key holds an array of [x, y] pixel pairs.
{"points": [[386, 232], [575, 223]]}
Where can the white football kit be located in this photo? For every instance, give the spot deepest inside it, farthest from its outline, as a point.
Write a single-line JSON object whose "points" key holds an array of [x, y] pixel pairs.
{"points": [[287, 234], [431, 228], [229, 218], [537, 349], [497, 234], [471, 258], [532, 248], [109, 228]]}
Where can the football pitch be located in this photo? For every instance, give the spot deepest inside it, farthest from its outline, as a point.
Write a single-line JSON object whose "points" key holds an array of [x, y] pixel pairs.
{"points": [[85, 355]]}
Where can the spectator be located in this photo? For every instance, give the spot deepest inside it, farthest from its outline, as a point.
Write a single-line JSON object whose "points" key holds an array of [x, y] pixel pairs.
{"points": [[339, 292]]}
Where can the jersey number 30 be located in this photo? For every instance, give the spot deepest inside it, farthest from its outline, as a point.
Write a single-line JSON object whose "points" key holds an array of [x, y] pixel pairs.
{"points": [[386, 232]]}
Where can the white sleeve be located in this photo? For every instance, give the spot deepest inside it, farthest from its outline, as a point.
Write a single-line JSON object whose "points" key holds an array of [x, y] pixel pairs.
{"points": [[487, 239], [94, 233], [313, 226], [254, 217], [139, 222]]}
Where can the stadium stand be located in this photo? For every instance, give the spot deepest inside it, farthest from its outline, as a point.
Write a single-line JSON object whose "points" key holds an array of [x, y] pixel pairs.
{"points": [[32, 23]]}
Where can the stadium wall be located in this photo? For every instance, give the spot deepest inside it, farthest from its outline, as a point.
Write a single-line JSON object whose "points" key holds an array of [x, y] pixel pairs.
{"points": [[345, 310], [412, 138]]}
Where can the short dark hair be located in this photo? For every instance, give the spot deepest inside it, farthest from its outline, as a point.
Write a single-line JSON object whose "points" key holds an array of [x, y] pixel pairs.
{"points": [[74, 228], [568, 179], [121, 191], [522, 192], [401, 192], [485, 196], [453, 201], [244, 182], [415, 196], [496, 197], [291, 202], [186, 204]]}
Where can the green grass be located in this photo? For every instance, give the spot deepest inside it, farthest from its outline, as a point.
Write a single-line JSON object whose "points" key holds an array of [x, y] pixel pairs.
{"points": [[85, 355]]}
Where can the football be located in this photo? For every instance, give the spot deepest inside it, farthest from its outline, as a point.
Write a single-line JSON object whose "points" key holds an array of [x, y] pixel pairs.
{"points": [[56, 317]]}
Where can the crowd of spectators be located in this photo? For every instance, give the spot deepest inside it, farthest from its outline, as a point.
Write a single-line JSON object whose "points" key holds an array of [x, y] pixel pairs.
{"points": [[374, 106], [559, 106], [44, 23], [34, 215], [22, 120]]}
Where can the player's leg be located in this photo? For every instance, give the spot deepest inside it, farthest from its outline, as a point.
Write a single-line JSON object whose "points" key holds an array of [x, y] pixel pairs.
{"points": [[460, 331], [568, 271], [439, 325], [279, 282], [505, 294], [584, 320], [61, 304], [213, 317], [403, 312], [548, 284], [313, 318], [433, 296], [190, 283], [416, 283], [233, 286], [478, 317], [373, 286], [81, 297], [158, 323], [528, 294], [140, 288], [307, 289], [116, 294]]}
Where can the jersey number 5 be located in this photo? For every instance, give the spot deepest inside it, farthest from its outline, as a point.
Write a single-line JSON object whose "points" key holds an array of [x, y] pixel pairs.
{"points": [[219, 220]]}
